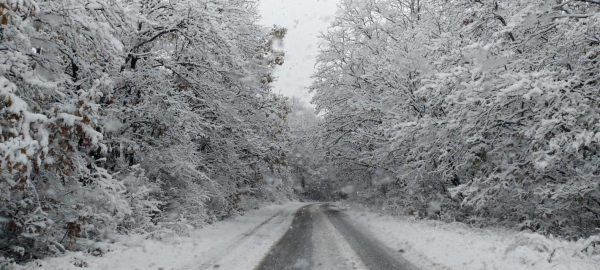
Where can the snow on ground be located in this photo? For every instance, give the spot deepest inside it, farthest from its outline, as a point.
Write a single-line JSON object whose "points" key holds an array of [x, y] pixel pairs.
{"points": [[238, 243], [438, 245]]}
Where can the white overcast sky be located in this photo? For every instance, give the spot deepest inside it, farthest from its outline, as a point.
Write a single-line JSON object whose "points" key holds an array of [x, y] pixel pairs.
{"points": [[304, 19]]}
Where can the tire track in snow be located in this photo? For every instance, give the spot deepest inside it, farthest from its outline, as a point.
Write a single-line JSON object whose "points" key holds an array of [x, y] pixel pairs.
{"points": [[331, 250], [232, 249], [294, 249], [374, 255]]}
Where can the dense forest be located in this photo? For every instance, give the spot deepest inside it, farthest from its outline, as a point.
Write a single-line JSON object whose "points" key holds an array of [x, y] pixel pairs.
{"points": [[155, 117], [478, 111], [134, 116]]}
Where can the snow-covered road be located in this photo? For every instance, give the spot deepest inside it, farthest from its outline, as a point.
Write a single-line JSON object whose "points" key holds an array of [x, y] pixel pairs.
{"points": [[321, 237]]}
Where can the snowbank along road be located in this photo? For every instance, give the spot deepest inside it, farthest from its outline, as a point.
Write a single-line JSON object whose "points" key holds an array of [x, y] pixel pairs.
{"points": [[323, 237]]}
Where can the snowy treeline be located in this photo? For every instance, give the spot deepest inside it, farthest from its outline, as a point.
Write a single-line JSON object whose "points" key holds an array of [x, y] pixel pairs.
{"points": [[311, 177], [479, 111], [133, 116]]}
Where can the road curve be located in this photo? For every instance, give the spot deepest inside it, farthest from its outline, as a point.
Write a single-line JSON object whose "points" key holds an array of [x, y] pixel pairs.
{"points": [[323, 238]]}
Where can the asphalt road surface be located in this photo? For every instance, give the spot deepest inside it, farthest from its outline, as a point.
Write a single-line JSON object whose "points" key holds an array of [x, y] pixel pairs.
{"points": [[322, 237]]}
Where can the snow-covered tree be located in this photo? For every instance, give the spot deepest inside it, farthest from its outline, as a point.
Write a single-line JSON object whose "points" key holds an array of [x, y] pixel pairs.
{"points": [[128, 116], [486, 108]]}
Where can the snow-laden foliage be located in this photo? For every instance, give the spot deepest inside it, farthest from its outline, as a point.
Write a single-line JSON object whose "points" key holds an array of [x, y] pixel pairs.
{"points": [[478, 111], [128, 116], [304, 162]]}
